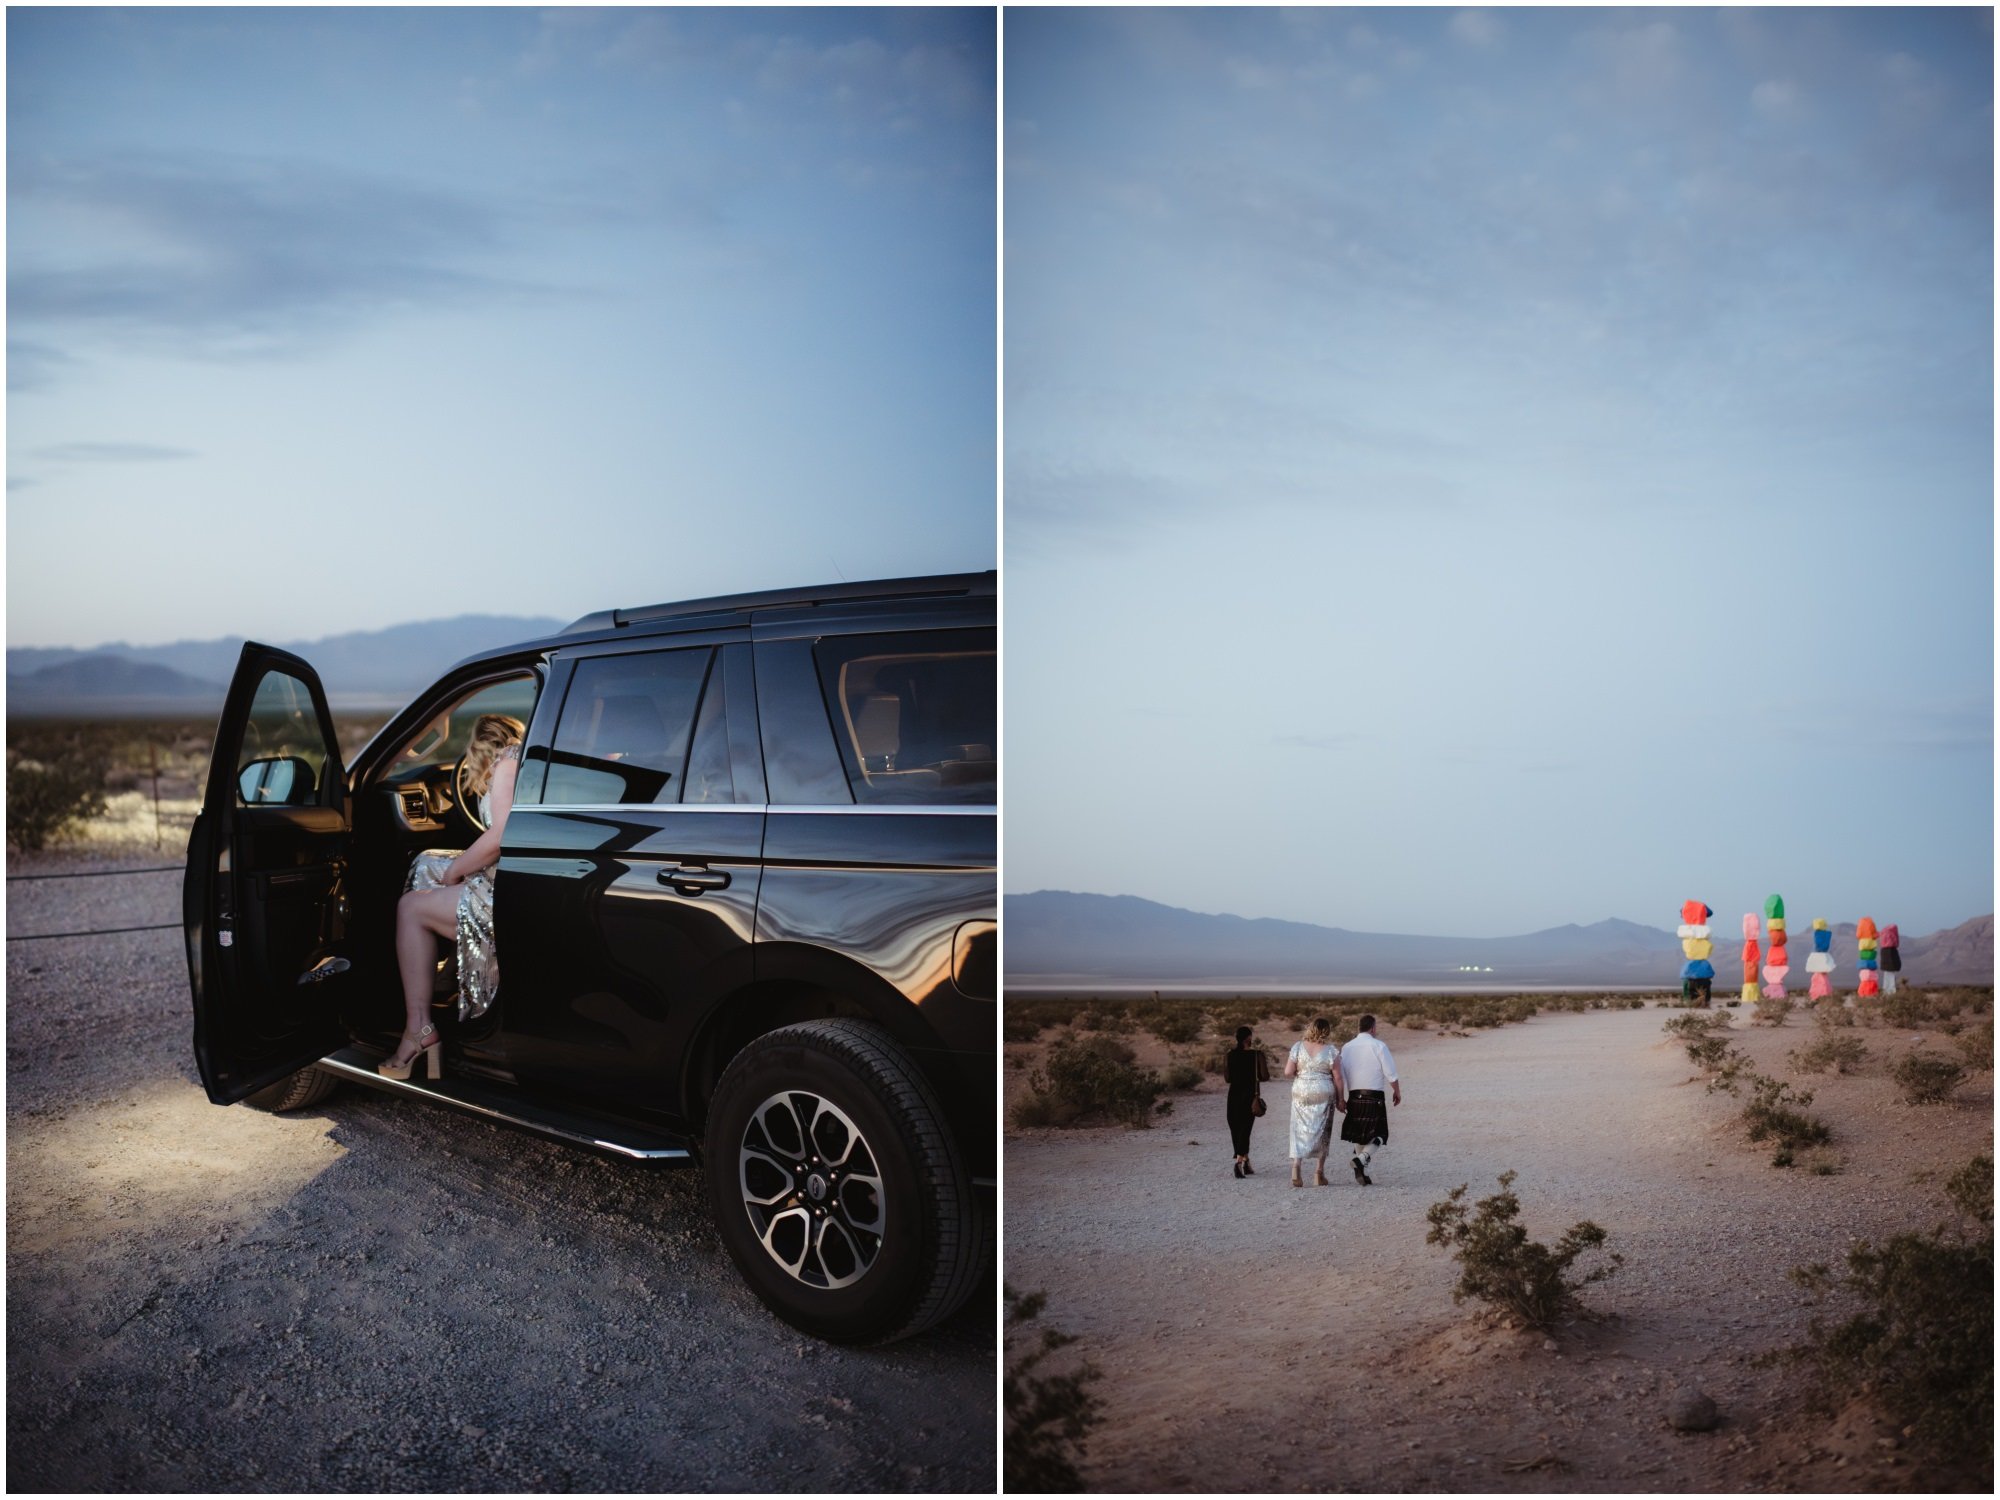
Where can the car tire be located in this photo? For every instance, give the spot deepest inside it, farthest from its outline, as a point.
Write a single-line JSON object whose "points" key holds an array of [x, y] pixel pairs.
{"points": [[300, 1090], [879, 1253]]}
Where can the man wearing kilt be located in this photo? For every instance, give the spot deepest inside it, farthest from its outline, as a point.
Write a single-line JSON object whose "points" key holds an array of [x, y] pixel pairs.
{"points": [[1368, 1069]]}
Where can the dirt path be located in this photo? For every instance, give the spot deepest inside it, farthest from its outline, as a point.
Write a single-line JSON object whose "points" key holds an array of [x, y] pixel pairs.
{"points": [[1254, 1337], [375, 1295]]}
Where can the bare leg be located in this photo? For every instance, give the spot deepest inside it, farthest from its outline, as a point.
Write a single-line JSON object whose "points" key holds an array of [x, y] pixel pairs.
{"points": [[421, 917]]}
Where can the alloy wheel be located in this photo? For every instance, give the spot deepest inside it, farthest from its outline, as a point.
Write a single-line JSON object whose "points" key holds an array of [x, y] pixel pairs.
{"points": [[813, 1189]]}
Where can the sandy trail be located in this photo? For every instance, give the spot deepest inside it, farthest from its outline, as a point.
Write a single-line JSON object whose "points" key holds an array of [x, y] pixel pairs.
{"points": [[1255, 1337]]}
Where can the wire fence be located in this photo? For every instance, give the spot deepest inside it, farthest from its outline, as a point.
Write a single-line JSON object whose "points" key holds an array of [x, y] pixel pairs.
{"points": [[90, 874], [38, 937]]}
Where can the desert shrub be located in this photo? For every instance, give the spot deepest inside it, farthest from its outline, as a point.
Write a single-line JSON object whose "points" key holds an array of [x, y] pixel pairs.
{"points": [[1710, 1052], [1216, 1059], [1772, 1012], [1695, 1025], [48, 799], [1831, 1010], [1020, 1026], [1180, 1076], [1499, 1264], [1920, 1332], [1976, 1046], [1776, 1112], [1907, 1009], [1926, 1077], [1179, 1026], [1415, 1023], [1049, 1413], [1843, 1054], [1104, 1018], [1821, 1163], [1083, 1080]]}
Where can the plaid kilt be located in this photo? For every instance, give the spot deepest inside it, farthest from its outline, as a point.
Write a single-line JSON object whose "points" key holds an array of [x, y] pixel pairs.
{"points": [[1367, 1117]]}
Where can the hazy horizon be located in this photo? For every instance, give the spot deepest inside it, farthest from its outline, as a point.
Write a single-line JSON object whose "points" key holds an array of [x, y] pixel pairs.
{"points": [[320, 320], [1522, 465], [1724, 917]]}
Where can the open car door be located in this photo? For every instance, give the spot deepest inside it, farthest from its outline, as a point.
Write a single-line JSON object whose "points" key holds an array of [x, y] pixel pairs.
{"points": [[264, 899]]}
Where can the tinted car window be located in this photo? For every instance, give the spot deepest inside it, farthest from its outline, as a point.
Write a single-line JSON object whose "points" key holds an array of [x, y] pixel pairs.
{"points": [[626, 721], [916, 714], [283, 742], [443, 740], [708, 774]]}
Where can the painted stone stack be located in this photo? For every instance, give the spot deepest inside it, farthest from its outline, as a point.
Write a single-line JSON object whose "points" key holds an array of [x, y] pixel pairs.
{"points": [[1750, 957], [1776, 964], [1697, 974], [1891, 958], [1867, 963], [1819, 962]]}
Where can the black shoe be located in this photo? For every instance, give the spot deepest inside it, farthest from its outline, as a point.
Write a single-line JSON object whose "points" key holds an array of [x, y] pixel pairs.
{"points": [[1359, 1175], [1248, 1170], [1237, 1166]]}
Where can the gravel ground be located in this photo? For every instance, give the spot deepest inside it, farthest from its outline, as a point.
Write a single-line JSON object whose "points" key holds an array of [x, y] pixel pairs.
{"points": [[375, 1295], [1254, 1337]]}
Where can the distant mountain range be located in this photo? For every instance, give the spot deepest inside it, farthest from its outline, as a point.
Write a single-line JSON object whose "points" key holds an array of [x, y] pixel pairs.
{"points": [[363, 668], [1066, 936]]}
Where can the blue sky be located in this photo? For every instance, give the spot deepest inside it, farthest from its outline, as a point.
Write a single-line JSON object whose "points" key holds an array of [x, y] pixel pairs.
{"points": [[325, 320], [1470, 471]]}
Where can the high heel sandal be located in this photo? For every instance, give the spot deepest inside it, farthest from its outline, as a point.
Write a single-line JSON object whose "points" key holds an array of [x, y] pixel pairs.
{"points": [[430, 1048]]}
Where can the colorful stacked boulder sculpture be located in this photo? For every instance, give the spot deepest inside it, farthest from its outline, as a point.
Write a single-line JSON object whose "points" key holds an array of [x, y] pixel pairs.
{"points": [[1750, 955], [1819, 962], [1890, 957], [1697, 974], [1776, 964], [1870, 966]]}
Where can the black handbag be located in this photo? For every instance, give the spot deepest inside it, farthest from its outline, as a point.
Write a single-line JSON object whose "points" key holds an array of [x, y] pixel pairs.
{"points": [[1257, 1105]]}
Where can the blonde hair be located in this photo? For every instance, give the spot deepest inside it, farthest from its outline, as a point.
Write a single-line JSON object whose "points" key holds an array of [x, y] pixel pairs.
{"points": [[1321, 1030], [492, 734]]}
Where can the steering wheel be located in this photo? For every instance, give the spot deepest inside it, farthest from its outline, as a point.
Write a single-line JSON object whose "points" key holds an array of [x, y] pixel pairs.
{"points": [[467, 804]]}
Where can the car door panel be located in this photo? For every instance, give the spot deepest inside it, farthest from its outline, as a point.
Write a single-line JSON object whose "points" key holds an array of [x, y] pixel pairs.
{"points": [[263, 899]]}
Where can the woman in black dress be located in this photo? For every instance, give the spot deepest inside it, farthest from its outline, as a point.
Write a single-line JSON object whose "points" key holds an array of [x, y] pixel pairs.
{"points": [[1245, 1067]]}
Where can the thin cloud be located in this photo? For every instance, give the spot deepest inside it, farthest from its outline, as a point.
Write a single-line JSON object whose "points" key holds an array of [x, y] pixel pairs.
{"points": [[232, 257], [112, 453], [1477, 28]]}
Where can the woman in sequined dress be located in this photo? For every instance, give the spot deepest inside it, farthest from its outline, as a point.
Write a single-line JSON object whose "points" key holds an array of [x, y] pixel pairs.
{"points": [[450, 894], [1314, 1068]]}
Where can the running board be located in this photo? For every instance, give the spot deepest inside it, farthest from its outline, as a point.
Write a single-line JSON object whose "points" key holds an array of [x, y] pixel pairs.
{"points": [[616, 1137]]}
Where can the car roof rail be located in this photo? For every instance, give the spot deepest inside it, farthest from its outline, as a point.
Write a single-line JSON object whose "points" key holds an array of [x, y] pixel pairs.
{"points": [[937, 586]]}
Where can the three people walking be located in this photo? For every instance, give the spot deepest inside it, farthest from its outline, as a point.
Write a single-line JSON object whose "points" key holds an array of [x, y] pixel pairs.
{"points": [[1357, 1080]]}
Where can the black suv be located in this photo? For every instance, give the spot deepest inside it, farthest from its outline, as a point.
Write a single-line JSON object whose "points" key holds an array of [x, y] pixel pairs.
{"points": [[745, 911]]}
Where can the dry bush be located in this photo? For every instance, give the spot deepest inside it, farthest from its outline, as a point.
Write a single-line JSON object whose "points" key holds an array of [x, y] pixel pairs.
{"points": [[1843, 1054], [1776, 1112], [1180, 1076], [1183, 1024], [1773, 1012], [1976, 1046], [1049, 1413], [1017, 1024], [1085, 1080], [1499, 1264], [1927, 1078], [1919, 1335]]}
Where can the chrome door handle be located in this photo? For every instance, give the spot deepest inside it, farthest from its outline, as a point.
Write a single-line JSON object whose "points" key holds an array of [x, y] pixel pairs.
{"points": [[692, 880]]}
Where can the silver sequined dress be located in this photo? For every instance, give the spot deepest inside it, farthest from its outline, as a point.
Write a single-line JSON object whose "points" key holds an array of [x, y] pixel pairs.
{"points": [[478, 958], [1312, 1100]]}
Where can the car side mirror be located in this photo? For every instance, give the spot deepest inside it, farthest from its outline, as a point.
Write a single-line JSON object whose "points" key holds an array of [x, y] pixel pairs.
{"points": [[282, 781]]}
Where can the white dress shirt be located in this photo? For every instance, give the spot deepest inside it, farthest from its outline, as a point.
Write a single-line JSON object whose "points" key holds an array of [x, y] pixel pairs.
{"points": [[1366, 1064]]}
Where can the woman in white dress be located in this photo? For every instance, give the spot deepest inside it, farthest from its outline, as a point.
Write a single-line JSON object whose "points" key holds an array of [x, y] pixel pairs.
{"points": [[1314, 1068], [450, 894]]}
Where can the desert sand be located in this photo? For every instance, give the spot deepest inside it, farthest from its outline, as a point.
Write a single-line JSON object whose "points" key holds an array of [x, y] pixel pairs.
{"points": [[1257, 1337]]}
